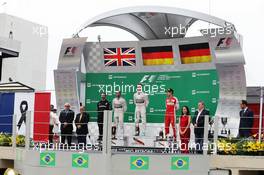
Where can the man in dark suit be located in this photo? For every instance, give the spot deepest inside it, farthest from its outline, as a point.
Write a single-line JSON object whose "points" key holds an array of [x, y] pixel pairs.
{"points": [[246, 120], [198, 123], [66, 119], [81, 123]]}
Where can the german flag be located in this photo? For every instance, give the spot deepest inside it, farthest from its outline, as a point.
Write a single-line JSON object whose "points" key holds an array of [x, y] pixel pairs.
{"points": [[195, 53], [160, 55]]}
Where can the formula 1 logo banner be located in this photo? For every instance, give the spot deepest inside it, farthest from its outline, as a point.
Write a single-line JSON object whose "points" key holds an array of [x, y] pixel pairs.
{"points": [[189, 87]]}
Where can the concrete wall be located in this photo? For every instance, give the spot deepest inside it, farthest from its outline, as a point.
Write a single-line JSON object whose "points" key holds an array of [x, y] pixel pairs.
{"points": [[101, 164], [240, 165], [30, 67]]}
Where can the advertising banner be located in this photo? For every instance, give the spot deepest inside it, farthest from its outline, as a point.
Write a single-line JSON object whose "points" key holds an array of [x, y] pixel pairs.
{"points": [[66, 89], [190, 87]]}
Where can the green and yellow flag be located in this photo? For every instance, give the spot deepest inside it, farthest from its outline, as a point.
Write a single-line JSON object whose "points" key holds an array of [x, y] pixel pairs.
{"points": [[47, 159], [180, 163], [139, 163], [80, 160]]}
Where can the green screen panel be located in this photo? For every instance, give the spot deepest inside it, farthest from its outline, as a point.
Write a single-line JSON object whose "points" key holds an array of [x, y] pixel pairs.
{"points": [[190, 87]]}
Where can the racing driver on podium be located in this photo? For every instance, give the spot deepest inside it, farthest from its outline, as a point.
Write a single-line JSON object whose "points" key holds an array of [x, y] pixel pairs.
{"points": [[141, 102], [172, 105]]}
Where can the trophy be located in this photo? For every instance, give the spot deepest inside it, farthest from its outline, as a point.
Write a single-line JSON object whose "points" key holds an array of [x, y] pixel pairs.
{"points": [[211, 131], [160, 137], [224, 122]]}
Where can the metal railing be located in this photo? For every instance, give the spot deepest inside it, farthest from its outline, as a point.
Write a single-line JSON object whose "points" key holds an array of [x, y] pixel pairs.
{"points": [[218, 137]]}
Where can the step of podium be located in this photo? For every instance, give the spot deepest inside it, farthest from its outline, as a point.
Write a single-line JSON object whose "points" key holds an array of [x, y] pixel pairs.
{"points": [[141, 141]]}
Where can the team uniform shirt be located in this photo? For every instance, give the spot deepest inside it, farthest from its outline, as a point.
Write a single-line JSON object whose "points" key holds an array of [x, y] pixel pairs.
{"points": [[172, 104], [141, 99], [101, 106], [119, 105]]}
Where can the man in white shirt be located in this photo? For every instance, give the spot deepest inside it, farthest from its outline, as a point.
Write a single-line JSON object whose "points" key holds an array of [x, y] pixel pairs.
{"points": [[141, 102], [53, 122], [119, 106]]}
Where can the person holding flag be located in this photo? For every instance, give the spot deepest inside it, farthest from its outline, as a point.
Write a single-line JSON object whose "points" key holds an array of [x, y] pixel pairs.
{"points": [[141, 102], [172, 105]]}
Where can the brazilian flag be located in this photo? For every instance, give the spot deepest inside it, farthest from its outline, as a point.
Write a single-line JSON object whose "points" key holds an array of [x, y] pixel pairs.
{"points": [[180, 163], [139, 163], [80, 160], [48, 159]]}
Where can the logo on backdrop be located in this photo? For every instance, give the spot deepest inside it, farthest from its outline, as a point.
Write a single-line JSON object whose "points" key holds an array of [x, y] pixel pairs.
{"points": [[148, 78], [224, 43], [130, 88], [23, 110], [70, 51]]}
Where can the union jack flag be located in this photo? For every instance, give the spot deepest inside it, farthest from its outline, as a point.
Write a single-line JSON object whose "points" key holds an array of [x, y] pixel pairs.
{"points": [[119, 56]]}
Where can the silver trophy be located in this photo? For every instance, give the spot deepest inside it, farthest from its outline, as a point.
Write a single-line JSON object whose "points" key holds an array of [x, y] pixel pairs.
{"points": [[211, 130], [224, 122]]}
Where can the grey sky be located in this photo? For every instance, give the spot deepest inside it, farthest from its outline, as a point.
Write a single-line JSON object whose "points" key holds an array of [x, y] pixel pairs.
{"points": [[63, 17]]}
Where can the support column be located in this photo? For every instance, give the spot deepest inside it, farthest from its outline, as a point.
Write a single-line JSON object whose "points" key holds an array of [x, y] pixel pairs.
{"points": [[216, 123], [206, 121], [14, 133], [28, 124], [260, 113], [107, 142]]}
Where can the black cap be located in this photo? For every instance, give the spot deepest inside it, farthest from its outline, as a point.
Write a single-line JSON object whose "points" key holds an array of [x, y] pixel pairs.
{"points": [[170, 90]]}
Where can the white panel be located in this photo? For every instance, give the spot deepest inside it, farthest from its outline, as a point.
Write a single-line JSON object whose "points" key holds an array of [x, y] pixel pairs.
{"points": [[30, 67]]}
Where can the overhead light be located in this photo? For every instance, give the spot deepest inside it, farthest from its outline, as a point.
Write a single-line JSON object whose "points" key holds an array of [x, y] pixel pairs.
{"points": [[10, 171]]}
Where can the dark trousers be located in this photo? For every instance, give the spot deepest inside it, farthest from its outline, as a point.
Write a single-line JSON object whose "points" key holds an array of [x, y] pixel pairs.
{"points": [[199, 138], [51, 133], [81, 139], [244, 132], [67, 136], [100, 122]]}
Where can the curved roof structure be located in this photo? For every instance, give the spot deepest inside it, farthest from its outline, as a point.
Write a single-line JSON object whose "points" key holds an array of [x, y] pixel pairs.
{"points": [[151, 22]]}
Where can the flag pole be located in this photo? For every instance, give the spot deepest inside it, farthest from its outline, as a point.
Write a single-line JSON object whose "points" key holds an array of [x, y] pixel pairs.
{"points": [[260, 113]]}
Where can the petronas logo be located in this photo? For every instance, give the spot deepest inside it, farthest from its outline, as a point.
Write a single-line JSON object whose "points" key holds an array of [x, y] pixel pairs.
{"points": [[47, 159], [80, 160], [139, 163]]}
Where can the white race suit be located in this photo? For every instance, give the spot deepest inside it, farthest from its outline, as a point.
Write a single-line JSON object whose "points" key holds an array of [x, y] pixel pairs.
{"points": [[119, 107], [141, 102]]}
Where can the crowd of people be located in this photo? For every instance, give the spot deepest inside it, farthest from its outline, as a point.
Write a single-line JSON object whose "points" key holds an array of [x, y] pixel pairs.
{"points": [[67, 119]]}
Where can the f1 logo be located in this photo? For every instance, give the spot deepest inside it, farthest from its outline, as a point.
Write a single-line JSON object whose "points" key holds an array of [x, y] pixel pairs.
{"points": [[149, 78], [70, 51], [224, 42]]}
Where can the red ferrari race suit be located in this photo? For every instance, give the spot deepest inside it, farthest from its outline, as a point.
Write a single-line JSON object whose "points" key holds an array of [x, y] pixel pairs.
{"points": [[172, 104]]}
